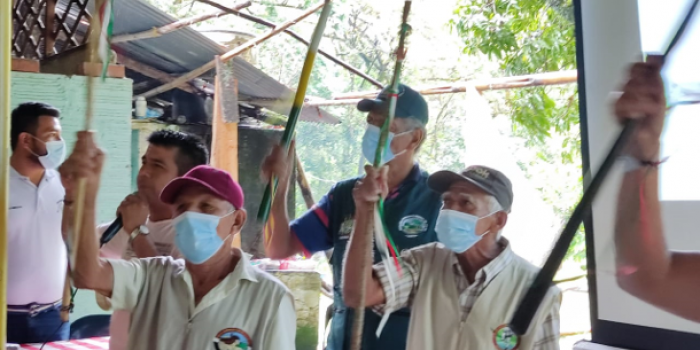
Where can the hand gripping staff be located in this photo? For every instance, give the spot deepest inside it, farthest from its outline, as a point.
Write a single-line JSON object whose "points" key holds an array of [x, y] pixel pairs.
{"points": [[522, 318]]}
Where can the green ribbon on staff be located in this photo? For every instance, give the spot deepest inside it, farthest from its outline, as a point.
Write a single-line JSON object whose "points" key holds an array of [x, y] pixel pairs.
{"points": [[264, 211]]}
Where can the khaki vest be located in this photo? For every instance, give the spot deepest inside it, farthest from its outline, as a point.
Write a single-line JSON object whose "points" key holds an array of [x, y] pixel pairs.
{"points": [[436, 312]]}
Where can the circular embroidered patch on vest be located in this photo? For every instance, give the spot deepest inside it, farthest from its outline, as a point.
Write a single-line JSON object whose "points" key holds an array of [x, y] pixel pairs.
{"points": [[505, 339], [413, 225], [232, 339]]}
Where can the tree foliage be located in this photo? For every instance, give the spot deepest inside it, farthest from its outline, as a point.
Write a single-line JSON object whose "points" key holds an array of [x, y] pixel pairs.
{"points": [[527, 37]]}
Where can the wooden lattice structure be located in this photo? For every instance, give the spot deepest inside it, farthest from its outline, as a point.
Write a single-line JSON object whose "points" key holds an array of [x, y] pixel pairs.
{"points": [[47, 27]]}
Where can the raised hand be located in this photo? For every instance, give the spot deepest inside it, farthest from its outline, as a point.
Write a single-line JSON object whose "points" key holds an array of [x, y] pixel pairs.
{"points": [[85, 162], [133, 211], [372, 187], [279, 163], [643, 100]]}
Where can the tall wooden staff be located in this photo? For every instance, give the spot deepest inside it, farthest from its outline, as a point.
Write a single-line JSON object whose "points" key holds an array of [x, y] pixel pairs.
{"points": [[264, 210], [359, 318], [99, 36]]}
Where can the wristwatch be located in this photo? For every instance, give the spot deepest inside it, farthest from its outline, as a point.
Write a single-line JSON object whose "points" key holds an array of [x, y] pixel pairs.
{"points": [[141, 230]]}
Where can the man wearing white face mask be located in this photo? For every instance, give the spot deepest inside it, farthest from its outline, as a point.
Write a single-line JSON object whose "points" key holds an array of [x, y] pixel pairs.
{"points": [[211, 296], [411, 209], [37, 255], [464, 290]]}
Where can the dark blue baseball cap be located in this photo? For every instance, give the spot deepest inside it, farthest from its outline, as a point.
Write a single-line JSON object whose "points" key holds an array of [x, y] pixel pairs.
{"points": [[410, 104]]}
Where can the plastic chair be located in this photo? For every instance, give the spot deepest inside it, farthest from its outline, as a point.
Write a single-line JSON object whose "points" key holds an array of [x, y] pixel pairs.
{"points": [[91, 326]]}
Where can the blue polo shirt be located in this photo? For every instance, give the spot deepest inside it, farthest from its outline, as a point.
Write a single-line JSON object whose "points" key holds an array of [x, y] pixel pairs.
{"points": [[410, 212]]}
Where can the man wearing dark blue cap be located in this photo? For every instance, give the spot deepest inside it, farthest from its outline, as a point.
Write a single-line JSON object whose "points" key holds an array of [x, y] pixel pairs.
{"points": [[411, 209]]}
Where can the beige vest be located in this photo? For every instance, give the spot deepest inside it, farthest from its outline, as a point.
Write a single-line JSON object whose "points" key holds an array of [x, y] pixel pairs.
{"points": [[436, 313]]}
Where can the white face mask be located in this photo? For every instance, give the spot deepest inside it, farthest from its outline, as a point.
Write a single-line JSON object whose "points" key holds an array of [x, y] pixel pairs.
{"points": [[55, 154], [457, 230]]}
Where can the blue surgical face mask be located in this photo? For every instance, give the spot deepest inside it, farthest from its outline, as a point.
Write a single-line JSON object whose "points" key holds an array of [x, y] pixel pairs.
{"points": [[457, 230], [370, 141], [196, 237], [55, 154]]}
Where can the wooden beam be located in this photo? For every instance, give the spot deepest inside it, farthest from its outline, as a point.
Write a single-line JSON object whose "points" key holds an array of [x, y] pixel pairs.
{"points": [[296, 36], [152, 72], [25, 65], [231, 54], [517, 82], [183, 23], [224, 143]]}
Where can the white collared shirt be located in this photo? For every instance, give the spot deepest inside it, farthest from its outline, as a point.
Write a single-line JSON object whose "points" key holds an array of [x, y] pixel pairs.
{"points": [[248, 305], [162, 235], [37, 257]]}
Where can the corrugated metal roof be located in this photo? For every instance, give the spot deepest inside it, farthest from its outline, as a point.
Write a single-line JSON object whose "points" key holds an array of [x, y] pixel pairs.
{"points": [[186, 49]]}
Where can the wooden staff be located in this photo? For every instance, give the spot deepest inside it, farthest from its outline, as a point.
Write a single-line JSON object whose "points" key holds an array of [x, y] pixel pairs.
{"points": [[294, 113], [359, 318], [303, 183], [75, 230]]}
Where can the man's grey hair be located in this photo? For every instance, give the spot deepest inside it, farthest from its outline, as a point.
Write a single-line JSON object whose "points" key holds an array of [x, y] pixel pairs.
{"points": [[494, 207], [413, 124]]}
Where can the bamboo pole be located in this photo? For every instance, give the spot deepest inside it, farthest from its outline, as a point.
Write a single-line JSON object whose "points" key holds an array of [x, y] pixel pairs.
{"points": [[5, 78], [168, 28], [502, 83], [303, 183], [297, 105], [366, 262], [296, 36], [152, 72], [229, 55]]}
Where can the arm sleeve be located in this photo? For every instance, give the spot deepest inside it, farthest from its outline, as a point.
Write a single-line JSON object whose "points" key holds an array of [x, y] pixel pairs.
{"points": [[312, 228], [282, 331], [405, 284], [129, 281], [547, 337]]}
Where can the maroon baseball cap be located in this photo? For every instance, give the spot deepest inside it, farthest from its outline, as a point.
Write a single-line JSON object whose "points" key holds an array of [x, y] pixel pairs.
{"points": [[217, 181]]}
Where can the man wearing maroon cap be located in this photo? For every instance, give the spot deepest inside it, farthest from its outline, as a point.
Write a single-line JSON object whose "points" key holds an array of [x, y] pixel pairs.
{"points": [[212, 297]]}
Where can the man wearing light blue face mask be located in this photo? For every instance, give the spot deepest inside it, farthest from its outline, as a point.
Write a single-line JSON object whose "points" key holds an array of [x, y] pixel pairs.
{"points": [[464, 290], [411, 209], [37, 255], [211, 297]]}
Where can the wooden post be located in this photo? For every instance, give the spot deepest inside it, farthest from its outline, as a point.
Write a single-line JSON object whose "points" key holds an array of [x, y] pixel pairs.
{"points": [[49, 33], [224, 124], [5, 63]]}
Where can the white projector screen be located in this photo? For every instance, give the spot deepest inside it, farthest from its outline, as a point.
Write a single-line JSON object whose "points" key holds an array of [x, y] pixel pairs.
{"points": [[612, 35]]}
